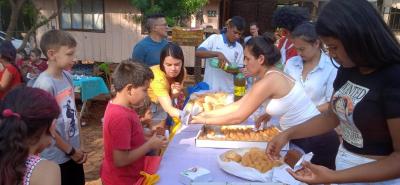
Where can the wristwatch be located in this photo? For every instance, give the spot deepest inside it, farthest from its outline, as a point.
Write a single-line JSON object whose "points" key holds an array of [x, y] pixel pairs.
{"points": [[71, 152]]}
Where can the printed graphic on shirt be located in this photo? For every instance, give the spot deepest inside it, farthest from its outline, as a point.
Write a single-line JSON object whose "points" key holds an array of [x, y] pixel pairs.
{"points": [[344, 101], [68, 112]]}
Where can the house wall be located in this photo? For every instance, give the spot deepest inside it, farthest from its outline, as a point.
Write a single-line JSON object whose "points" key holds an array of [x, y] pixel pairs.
{"points": [[213, 5], [115, 45]]}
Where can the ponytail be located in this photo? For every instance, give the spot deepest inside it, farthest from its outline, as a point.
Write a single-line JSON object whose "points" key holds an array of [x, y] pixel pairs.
{"points": [[26, 114]]}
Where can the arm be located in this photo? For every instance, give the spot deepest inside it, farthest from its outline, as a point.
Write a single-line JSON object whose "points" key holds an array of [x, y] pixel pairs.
{"points": [[251, 101], [166, 104], [46, 173], [126, 157], [323, 107], [389, 167], [320, 124], [78, 156], [5, 80], [317, 125]]}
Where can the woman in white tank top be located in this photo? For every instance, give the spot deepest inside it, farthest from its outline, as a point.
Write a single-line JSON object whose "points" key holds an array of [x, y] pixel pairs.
{"points": [[282, 96]]}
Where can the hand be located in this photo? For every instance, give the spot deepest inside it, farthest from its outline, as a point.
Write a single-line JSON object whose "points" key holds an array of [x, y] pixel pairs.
{"points": [[274, 147], [313, 174], [184, 116], [263, 118], [222, 60], [198, 120], [176, 89], [79, 157], [157, 141]]}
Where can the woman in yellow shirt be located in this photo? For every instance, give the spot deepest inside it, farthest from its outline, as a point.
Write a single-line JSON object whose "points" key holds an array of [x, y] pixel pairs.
{"points": [[167, 85]]}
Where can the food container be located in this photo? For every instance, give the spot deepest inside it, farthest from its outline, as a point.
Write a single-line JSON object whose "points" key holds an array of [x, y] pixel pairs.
{"points": [[195, 174], [243, 136]]}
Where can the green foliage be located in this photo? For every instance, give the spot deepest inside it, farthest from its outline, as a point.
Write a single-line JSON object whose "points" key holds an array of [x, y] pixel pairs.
{"points": [[174, 10]]}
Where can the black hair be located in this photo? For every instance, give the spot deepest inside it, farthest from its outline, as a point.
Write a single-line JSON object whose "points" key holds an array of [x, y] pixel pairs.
{"points": [[131, 72], [305, 31], [238, 22], [150, 20], [264, 45], [54, 39], [175, 51], [289, 17], [366, 38], [8, 51], [32, 113], [253, 24]]}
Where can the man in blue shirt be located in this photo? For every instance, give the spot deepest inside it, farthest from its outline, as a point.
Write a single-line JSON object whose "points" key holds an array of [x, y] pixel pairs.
{"points": [[148, 49]]}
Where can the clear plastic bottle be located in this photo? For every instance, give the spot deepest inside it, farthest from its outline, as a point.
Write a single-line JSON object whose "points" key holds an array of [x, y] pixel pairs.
{"points": [[239, 86]]}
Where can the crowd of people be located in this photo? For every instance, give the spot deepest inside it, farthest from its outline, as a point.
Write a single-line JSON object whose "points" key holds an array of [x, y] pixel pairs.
{"points": [[331, 84]]}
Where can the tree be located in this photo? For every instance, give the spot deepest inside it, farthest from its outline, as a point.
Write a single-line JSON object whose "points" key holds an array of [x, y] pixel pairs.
{"points": [[28, 8], [175, 11]]}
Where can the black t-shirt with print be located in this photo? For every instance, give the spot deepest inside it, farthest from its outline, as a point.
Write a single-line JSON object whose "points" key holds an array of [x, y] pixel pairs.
{"points": [[363, 103]]}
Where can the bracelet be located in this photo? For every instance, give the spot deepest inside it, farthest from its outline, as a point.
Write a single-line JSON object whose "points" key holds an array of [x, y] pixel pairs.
{"points": [[72, 152]]}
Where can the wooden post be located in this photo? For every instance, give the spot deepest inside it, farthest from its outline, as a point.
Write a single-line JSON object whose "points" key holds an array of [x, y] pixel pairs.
{"points": [[197, 69]]}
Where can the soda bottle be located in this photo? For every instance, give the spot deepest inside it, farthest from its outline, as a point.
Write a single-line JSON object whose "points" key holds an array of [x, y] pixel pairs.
{"points": [[232, 68], [239, 86]]}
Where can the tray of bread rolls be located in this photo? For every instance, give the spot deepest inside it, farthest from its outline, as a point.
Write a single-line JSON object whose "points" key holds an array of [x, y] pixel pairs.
{"points": [[235, 136], [207, 101]]}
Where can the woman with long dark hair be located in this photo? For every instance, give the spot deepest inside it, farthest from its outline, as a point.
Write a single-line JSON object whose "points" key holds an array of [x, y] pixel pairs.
{"points": [[167, 84], [366, 99], [26, 127]]}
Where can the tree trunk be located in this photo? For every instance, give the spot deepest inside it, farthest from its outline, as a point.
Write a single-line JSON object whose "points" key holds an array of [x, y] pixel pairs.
{"points": [[15, 10], [35, 27]]}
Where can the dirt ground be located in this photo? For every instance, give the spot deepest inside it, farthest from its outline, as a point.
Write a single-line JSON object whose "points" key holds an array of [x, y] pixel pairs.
{"points": [[93, 140]]}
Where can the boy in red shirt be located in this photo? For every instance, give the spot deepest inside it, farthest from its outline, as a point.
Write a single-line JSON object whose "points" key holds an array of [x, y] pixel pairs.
{"points": [[124, 141]]}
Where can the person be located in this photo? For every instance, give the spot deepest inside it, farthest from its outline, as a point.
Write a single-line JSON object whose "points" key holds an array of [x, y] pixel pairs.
{"points": [[281, 96], [26, 128], [365, 102], [59, 48], [124, 142], [144, 113], [312, 67], [227, 49], [36, 64], [286, 19], [253, 31], [168, 83], [10, 76], [148, 50]]}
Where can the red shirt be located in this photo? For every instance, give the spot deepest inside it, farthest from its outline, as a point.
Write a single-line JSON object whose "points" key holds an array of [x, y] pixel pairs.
{"points": [[121, 131], [289, 48], [41, 65], [16, 78]]}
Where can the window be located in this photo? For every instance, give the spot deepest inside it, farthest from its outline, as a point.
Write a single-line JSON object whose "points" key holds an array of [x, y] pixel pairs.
{"points": [[394, 19], [82, 15]]}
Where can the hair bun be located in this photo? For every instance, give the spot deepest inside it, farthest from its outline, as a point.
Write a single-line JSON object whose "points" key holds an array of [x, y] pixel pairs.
{"points": [[269, 38]]}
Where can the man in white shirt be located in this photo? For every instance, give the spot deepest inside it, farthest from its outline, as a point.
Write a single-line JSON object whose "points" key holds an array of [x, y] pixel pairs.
{"points": [[253, 32], [227, 49]]}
